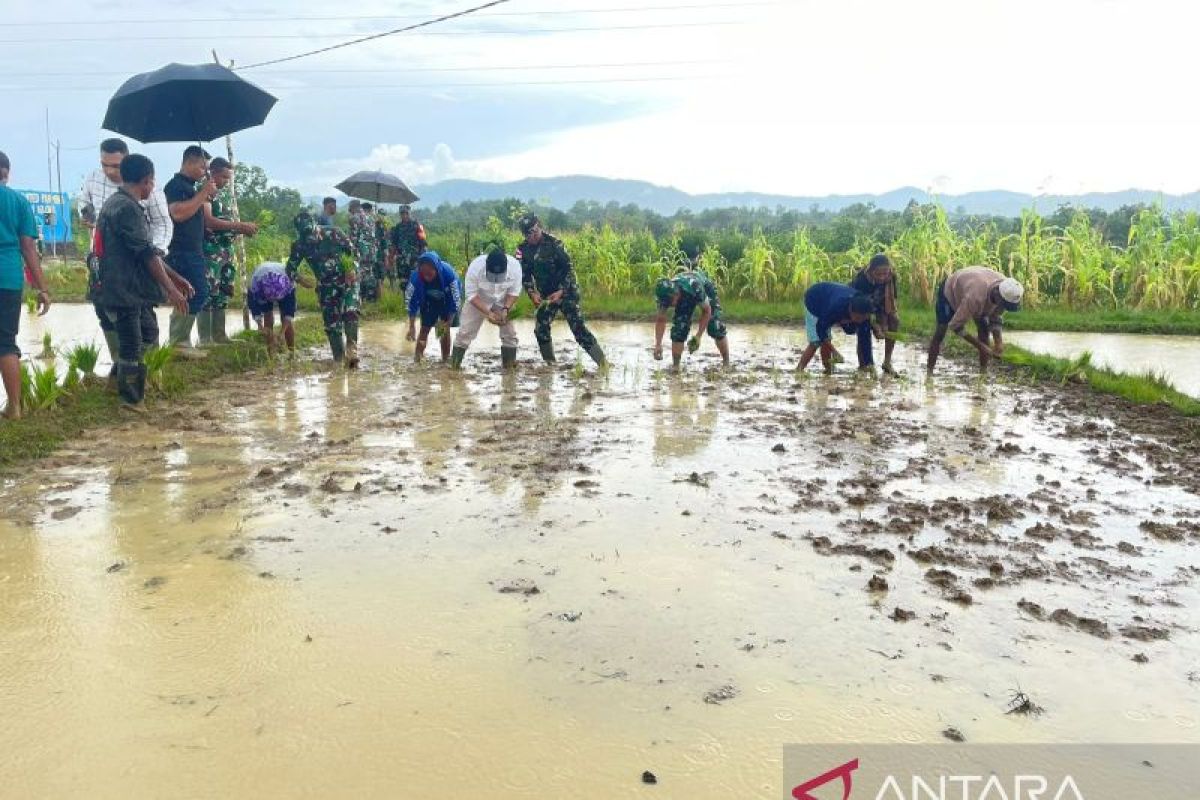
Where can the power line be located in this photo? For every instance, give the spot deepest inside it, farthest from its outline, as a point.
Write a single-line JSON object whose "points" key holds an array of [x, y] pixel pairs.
{"points": [[281, 36], [364, 18], [405, 70]]}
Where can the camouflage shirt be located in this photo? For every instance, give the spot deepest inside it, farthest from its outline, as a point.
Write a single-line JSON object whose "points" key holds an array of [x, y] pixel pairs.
{"points": [[218, 241], [409, 239], [362, 234], [546, 267], [329, 254], [695, 289]]}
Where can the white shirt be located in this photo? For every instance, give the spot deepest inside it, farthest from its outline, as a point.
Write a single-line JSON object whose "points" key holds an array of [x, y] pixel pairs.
{"points": [[493, 293], [98, 188]]}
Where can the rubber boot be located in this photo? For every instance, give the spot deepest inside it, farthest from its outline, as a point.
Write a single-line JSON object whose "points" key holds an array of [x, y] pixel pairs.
{"points": [[204, 328], [335, 345], [351, 344], [547, 349], [114, 349], [456, 357], [219, 335], [131, 385], [508, 357], [597, 355], [181, 336]]}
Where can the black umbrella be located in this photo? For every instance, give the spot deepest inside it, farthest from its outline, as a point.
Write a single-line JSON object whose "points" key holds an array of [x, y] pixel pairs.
{"points": [[378, 187], [186, 103]]}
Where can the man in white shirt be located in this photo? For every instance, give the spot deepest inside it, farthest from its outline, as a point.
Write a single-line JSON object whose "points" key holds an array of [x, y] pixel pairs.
{"points": [[493, 287]]}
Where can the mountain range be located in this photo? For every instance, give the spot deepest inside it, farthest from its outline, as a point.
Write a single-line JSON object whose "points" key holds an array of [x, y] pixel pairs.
{"points": [[563, 192]]}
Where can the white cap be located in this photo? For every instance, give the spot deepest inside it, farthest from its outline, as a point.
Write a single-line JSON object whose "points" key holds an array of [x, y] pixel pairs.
{"points": [[1011, 291]]}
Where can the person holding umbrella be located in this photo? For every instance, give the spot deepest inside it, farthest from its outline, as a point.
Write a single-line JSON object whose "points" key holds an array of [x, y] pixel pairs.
{"points": [[188, 193], [219, 230], [330, 256], [435, 294]]}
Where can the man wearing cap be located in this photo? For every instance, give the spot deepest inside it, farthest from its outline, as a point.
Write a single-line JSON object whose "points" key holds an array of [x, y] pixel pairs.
{"points": [[362, 234], [493, 288], [979, 294], [219, 230], [685, 292], [878, 281], [549, 280], [408, 242], [435, 295], [330, 256], [270, 289]]}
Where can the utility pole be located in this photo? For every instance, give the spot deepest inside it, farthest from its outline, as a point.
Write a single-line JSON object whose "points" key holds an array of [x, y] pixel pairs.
{"points": [[239, 241], [65, 206], [49, 178]]}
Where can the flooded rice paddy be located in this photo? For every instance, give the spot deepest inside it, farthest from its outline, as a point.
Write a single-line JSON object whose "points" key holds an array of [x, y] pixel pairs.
{"points": [[407, 582]]}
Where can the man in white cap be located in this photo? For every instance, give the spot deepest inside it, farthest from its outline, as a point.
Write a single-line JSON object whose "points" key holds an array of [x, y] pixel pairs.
{"points": [[493, 288], [979, 294]]}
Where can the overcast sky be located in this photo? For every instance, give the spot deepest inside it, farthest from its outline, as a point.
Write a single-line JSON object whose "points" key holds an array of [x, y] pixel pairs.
{"points": [[795, 97]]}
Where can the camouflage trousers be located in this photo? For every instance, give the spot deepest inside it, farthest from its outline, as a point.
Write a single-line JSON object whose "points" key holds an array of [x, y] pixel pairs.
{"points": [[339, 305], [681, 324], [570, 310], [221, 276], [368, 282]]}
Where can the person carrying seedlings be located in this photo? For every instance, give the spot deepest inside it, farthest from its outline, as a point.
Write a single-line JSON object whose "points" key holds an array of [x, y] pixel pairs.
{"points": [[330, 256], [549, 280], [878, 281], [493, 288], [408, 241], [270, 289], [979, 294], [362, 234], [133, 278], [825, 305], [18, 261], [435, 295], [219, 231], [685, 292]]}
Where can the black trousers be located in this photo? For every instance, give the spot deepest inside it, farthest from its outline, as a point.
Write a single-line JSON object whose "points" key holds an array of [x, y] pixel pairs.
{"points": [[137, 330]]}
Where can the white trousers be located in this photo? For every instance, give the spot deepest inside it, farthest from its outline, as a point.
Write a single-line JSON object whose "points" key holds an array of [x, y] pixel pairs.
{"points": [[472, 319]]}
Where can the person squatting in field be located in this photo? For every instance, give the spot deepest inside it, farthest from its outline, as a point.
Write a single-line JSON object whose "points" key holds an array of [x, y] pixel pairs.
{"points": [[550, 282], [878, 282], [435, 295], [979, 294], [330, 256], [825, 305], [493, 288], [219, 231], [685, 292], [272, 289]]}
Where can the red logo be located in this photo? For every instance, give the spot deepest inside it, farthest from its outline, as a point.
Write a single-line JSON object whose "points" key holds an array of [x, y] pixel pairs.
{"points": [[801, 792]]}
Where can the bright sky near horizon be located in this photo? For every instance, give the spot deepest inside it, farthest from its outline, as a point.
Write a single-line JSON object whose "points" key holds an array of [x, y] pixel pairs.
{"points": [[803, 97]]}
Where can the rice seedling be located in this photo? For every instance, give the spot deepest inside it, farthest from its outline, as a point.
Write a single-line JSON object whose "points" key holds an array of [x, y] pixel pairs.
{"points": [[156, 360], [83, 358], [44, 390], [47, 346]]}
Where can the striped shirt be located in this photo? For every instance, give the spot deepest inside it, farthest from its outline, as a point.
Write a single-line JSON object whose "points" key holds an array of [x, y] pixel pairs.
{"points": [[98, 188]]}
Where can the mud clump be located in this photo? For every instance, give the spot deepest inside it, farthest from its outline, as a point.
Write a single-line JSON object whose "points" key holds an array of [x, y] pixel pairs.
{"points": [[878, 555], [1145, 633], [1164, 532], [1088, 625], [1032, 609], [878, 583], [715, 697], [1022, 704], [954, 735], [902, 615], [521, 586], [942, 578], [649, 778]]}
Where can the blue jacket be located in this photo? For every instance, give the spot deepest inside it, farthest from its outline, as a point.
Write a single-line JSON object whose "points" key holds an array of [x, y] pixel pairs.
{"points": [[447, 281], [830, 304]]}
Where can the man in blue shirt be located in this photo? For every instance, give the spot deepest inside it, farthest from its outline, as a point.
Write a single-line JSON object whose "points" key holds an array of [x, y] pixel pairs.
{"points": [[434, 294], [18, 258], [825, 305]]}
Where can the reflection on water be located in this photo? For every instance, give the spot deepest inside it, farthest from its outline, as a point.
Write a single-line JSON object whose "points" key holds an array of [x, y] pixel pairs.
{"points": [[1176, 357], [301, 583]]}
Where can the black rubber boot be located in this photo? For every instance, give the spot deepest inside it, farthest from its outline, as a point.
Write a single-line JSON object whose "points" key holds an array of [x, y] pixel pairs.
{"points": [[456, 357], [547, 349], [597, 355], [508, 357], [131, 385], [336, 346]]}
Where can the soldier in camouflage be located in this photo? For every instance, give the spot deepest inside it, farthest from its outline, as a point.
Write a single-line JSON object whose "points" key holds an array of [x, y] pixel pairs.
{"points": [[330, 256], [685, 292], [220, 229], [362, 234], [408, 242], [379, 221], [549, 280]]}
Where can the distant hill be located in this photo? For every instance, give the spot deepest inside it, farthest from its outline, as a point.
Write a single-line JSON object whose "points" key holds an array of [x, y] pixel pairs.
{"points": [[564, 192]]}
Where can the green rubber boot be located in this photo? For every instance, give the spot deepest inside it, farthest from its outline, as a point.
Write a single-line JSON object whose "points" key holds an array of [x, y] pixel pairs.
{"points": [[114, 349], [204, 328], [218, 326], [597, 355], [456, 357], [508, 357], [547, 349], [336, 346]]}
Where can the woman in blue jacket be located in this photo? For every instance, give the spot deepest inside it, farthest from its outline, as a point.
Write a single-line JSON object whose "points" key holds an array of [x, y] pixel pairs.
{"points": [[435, 294]]}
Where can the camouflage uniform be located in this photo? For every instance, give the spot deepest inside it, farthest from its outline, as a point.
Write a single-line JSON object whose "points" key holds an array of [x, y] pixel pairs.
{"points": [[381, 247], [218, 258], [362, 234], [695, 289], [330, 256], [408, 240], [546, 268]]}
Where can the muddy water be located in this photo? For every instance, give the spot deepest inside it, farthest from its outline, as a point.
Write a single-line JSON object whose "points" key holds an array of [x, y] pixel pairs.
{"points": [[307, 583], [1176, 357]]}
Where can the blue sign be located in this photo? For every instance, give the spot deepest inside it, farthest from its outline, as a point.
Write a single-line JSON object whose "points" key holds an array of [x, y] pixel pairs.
{"points": [[53, 213]]}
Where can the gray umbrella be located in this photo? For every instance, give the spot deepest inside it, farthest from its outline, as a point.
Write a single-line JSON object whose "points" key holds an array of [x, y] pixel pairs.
{"points": [[378, 187]]}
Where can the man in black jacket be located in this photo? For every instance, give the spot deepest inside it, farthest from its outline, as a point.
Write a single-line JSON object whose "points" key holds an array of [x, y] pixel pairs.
{"points": [[133, 277]]}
